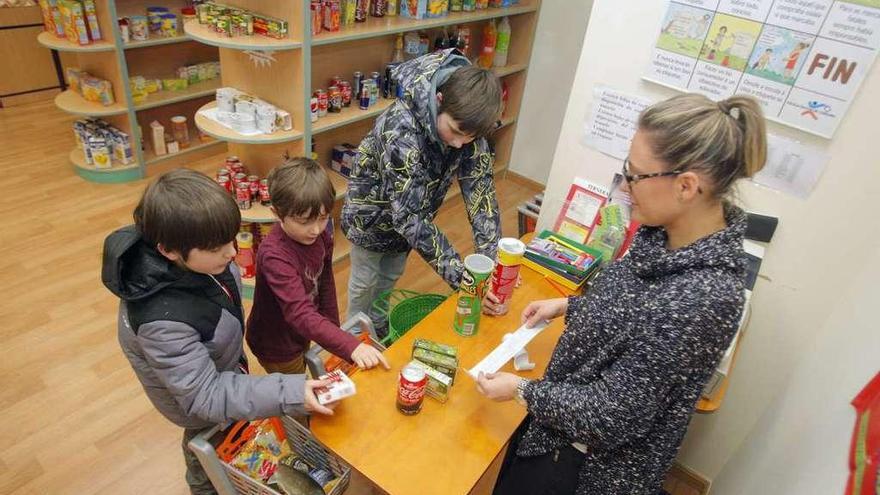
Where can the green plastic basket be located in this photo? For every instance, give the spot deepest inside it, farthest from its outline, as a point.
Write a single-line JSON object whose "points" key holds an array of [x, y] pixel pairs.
{"points": [[404, 308]]}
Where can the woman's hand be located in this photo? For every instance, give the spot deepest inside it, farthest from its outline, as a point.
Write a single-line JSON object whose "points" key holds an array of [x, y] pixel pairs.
{"points": [[491, 305], [547, 309], [367, 356], [499, 386], [311, 400]]}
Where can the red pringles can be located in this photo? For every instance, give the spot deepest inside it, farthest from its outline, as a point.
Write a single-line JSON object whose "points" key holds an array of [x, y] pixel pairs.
{"points": [[243, 196], [510, 255], [411, 390], [265, 199], [345, 88]]}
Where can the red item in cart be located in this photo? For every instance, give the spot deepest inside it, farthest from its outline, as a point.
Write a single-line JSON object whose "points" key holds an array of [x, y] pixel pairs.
{"points": [[411, 389], [243, 196], [265, 200]]}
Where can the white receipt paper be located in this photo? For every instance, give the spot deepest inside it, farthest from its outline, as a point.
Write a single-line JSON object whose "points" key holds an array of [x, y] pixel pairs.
{"points": [[508, 348]]}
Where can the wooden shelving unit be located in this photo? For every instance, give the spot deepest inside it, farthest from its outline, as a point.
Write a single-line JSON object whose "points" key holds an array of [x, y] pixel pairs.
{"points": [[286, 73], [116, 61]]}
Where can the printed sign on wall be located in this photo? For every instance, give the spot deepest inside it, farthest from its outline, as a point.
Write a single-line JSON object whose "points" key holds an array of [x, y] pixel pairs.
{"points": [[803, 60]]}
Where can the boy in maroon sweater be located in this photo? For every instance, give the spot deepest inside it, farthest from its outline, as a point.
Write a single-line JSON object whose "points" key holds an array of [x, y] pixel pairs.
{"points": [[295, 294]]}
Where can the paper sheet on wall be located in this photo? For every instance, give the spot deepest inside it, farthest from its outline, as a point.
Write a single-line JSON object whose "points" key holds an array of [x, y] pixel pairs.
{"points": [[612, 122], [802, 60], [508, 348], [791, 167]]}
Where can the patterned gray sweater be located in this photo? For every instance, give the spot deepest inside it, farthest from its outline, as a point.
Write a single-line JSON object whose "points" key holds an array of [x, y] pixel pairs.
{"points": [[637, 349]]}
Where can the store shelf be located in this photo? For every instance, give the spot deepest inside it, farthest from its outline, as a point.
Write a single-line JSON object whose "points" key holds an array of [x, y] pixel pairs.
{"points": [[118, 173], [155, 42], [257, 213], [349, 115], [205, 88], [72, 102], [50, 41], [150, 157], [207, 36], [223, 133], [509, 69], [381, 26]]}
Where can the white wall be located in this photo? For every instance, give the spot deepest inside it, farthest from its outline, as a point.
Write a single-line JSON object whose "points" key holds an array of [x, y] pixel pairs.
{"points": [[557, 46], [800, 444], [821, 243]]}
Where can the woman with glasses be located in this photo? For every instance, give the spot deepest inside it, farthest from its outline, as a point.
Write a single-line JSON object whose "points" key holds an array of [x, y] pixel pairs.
{"points": [[615, 401]]}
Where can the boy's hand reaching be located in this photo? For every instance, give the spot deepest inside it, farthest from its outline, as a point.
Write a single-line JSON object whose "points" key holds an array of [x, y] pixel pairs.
{"points": [[311, 401], [367, 356]]}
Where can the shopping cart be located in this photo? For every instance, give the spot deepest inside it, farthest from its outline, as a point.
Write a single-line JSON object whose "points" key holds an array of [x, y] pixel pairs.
{"points": [[319, 361], [404, 308], [230, 481]]}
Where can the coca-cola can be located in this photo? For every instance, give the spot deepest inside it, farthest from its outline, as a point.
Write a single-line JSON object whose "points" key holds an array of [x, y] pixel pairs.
{"points": [[265, 199], [345, 87], [334, 99], [254, 184], [335, 80], [243, 196], [313, 105], [223, 171], [411, 390], [234, 165], [323, 102], [239, 178], [225, 182]]}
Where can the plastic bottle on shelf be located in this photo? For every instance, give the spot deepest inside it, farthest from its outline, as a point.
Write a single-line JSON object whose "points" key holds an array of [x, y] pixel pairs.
{"points": [[462, 40], [502, 45], [487, 49], [244, 258], [397, 55]]}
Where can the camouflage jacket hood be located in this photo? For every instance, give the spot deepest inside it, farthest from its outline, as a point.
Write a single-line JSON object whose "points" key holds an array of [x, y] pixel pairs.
{"points": [[403, 171]]}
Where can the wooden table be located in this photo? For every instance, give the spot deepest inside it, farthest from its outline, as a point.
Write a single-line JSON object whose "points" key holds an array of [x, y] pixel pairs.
{"points": [[446, 448]]}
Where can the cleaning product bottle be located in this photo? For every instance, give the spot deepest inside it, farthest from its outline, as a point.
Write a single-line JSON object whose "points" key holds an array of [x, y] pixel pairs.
{"points": [[487, 51], [502, 46]]}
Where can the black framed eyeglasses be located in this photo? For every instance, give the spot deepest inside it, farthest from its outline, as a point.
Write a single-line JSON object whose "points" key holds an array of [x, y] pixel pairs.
{"points": [[632, 179]]}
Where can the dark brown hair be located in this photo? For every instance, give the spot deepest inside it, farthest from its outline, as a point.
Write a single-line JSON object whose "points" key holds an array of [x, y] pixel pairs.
{"points": [[726, 140], [300, 186], [184, 210], [472, 96]]}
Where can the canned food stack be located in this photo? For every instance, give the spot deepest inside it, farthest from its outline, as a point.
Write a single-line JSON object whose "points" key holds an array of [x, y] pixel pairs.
{"points": [[233, 22], [246, 189], [246, 113], [431, 372]]}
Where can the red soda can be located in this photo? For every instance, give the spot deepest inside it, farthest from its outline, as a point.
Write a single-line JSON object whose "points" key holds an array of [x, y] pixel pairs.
{"points": [[239, 178], [345, 88], [361, 10], [243, 196], [225, 182], [232, 163], [265, 200], [223, 171], [334, 99], [323, 102], [378, 8], [313, 105], [411, 390], [254, 184], [335, 80]]}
